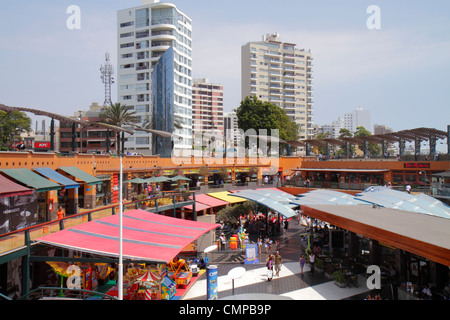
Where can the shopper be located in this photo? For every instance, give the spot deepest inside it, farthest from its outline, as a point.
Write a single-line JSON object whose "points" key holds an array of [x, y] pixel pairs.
{"points": [[312, 259], [259, 244], [278, 263], [269, 265], [223, 242], [302, 263]]}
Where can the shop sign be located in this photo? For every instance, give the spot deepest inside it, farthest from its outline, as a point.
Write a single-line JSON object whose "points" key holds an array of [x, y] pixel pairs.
{"points": [[42, 145], [416, 165]]}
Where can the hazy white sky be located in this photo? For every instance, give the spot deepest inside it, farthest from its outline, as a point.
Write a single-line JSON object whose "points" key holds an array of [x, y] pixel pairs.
{"points": [[399, 72]]}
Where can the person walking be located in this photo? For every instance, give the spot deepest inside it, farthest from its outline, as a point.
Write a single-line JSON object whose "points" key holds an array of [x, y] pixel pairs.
{"points": [[223, 242], [302, 263], [312, 259], [286, 226], [259, 244], [269, 265], [266, 244], [278, 263]]}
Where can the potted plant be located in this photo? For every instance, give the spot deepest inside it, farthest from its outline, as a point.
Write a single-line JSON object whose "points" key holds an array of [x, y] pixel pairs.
{"points": [[339, 278]]}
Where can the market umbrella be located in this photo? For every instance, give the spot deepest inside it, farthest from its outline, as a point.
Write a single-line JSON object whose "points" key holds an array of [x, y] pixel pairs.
{"points": [[158, 179], [177, 178], [137, 180]]}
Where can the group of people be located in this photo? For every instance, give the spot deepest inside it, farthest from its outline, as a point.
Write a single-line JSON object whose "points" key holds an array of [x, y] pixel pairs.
{"points": [[273, 261], [268, 244]]}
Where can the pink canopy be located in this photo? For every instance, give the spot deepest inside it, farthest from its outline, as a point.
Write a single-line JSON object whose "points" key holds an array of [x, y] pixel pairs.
{"points": [[146, 236], [208, 200]]}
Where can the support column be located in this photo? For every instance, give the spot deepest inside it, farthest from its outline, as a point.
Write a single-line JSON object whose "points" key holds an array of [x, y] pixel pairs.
{"points": [[448, 139], [90, 196], [375, 252], [108, 141], [72, 201], [401, 146], [347, 151], [52, 196], [417, 147], [432, 145], [73, 137], [366, 149], [52, 135]]}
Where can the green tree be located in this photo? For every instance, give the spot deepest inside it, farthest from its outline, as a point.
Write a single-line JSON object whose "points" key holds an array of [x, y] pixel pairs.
{"points": [[373, 149], [345, 133], [119, 115], [231, 214], [323, 150], [256, 114], [11, 125]]}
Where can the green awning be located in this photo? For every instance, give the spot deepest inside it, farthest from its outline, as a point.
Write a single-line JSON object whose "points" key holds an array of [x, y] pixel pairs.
{"points": [[81, 175], [31, 179]]}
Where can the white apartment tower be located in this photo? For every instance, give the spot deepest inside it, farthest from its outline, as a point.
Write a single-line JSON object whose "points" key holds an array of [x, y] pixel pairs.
{"points": [[280, 73], [144, 34], [357, 118]]}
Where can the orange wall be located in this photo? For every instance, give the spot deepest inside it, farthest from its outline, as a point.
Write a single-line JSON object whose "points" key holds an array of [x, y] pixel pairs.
{"points": [[103, 164]]}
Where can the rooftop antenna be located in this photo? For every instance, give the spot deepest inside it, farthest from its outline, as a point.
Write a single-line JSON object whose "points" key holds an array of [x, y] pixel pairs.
{"points": [[107, 71]]}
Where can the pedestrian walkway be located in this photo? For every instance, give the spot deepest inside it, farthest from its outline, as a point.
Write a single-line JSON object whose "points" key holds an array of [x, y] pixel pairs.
{"points": [[289, 283]]}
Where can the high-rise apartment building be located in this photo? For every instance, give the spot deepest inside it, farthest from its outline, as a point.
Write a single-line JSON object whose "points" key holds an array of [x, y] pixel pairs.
{"points": [[334, 128], [357, 118], [231, 129], [144, 34], [207, 108], [280, 73]]}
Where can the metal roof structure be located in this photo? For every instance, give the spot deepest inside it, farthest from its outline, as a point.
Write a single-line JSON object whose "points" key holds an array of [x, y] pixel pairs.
{"points": [[259, 197], [378, 196], [421, 234], [64, 118], [408, 135]]}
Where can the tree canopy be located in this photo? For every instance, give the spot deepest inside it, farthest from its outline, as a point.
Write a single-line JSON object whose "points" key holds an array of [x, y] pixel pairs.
{"points": [[256, 114], [11, 125]]}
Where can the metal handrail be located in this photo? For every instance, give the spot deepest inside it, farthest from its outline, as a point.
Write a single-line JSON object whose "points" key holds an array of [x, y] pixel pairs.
{"points": [[80, 293]]}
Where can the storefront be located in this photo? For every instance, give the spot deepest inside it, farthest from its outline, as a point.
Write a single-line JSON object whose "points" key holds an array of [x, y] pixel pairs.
{"points": [[46, 190], [411, 249], [87, 194], [17, 206], [343, 178]]}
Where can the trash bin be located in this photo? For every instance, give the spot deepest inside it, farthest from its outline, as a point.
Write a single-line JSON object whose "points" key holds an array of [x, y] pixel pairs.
{"points": [[233, 243]]}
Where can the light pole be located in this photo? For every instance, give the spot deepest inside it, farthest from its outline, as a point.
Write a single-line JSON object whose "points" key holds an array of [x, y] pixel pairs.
{"points": [[120, 277]]}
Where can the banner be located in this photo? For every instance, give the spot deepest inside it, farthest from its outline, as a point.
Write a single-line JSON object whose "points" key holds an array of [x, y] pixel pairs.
{"points": [[251, 254], [18, 212]]}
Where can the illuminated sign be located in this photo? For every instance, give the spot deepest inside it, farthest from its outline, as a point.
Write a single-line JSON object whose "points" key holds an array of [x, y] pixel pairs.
{"points": [[416, 165]]}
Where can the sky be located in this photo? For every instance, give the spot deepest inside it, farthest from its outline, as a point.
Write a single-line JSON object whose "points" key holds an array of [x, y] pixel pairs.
{"points": [[400, 72]]}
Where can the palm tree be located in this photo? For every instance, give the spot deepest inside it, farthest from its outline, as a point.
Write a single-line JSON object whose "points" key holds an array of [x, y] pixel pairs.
{"points": [[119, 115]]}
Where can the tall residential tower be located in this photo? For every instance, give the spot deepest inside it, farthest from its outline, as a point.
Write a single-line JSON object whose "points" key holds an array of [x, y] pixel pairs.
{"points": [[144, 34], [280, 73]]}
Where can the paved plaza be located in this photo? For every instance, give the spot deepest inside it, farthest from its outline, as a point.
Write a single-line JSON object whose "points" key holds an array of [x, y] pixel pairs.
{"points": [[289, 284]]}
